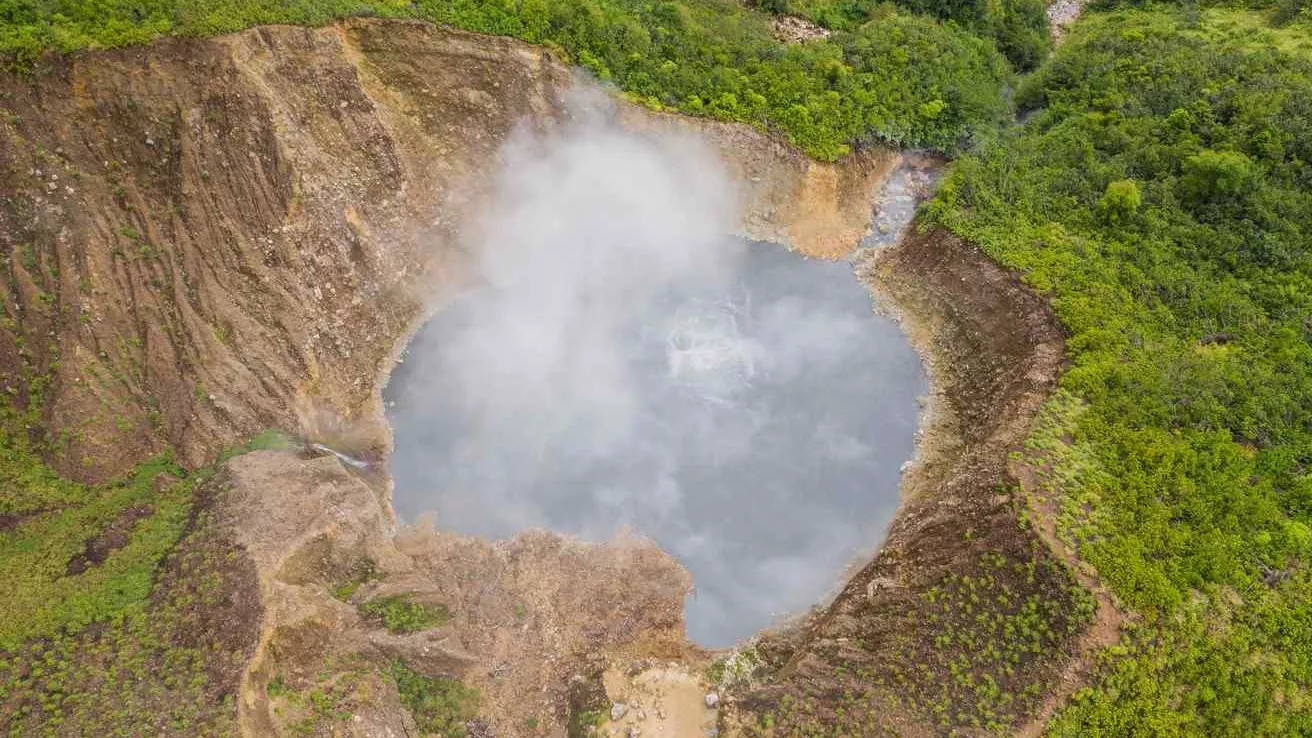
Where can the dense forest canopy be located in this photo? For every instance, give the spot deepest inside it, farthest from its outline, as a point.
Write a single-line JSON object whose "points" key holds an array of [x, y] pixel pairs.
{"points": [[1161, 192], [1018, 27]]}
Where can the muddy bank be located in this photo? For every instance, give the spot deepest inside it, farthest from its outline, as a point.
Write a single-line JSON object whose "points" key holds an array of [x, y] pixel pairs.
{"points": [[205, 238]]}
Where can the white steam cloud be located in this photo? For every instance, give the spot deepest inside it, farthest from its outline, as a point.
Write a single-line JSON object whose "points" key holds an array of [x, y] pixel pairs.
{"points": [[626, 361]]}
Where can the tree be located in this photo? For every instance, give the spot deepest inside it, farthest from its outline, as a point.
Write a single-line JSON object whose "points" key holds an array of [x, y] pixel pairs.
{"points": [[1120, 201], [1213, 176]]}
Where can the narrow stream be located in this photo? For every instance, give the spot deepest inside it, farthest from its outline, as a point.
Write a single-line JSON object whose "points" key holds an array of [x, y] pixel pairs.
{"points": [[751, 418]]}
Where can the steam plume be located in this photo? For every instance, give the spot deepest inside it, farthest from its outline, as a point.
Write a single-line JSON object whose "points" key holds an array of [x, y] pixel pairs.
{"points": [[626, 361]]}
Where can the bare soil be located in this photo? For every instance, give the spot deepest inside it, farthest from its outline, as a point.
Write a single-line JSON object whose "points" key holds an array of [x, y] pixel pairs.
{"points": [[792, 29]]}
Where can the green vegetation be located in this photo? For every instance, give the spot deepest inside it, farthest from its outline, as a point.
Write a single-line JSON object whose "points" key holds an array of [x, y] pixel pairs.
{"points": [[985, 627], [46, 592], [1018, 27], [72, 554], [120, 611], [588, 704], [269, 439], [167, 665], [584, 723], [321, 702], [985, 630], [973, 654], [899, 78], [399, 614], [1162, 194], [896, 77], [440, 705], [738, 667]]}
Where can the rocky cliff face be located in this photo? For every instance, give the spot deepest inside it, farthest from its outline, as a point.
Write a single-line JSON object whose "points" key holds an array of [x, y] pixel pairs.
{"points": [[206, 238]]}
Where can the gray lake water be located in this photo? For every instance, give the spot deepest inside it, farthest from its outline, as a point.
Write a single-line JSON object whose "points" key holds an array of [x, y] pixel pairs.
{"points": [[775, 412]]}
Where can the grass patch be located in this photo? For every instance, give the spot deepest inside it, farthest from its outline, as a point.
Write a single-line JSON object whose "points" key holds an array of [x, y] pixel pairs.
{"points": [[269, 439], [584, 723], [52, 521], [363, 570], [40, 599], [167, 666], [1251, 31]]}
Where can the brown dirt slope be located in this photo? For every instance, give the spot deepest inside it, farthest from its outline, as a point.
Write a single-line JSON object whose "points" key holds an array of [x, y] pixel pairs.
{"points": [[523, 617], [206, 238]]}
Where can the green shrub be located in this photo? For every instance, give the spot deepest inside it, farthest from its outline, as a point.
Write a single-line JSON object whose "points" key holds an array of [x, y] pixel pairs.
{"points": [[1120, 201], [440, 705], [399, 614], [1211, 176]]}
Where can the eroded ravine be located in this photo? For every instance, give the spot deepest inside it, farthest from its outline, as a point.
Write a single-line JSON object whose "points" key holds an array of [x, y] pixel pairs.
{"points": [[243, 232]]}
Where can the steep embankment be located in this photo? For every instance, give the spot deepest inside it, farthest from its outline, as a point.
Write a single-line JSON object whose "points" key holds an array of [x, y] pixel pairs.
{"points": [[214, 237], [207, 238]]}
